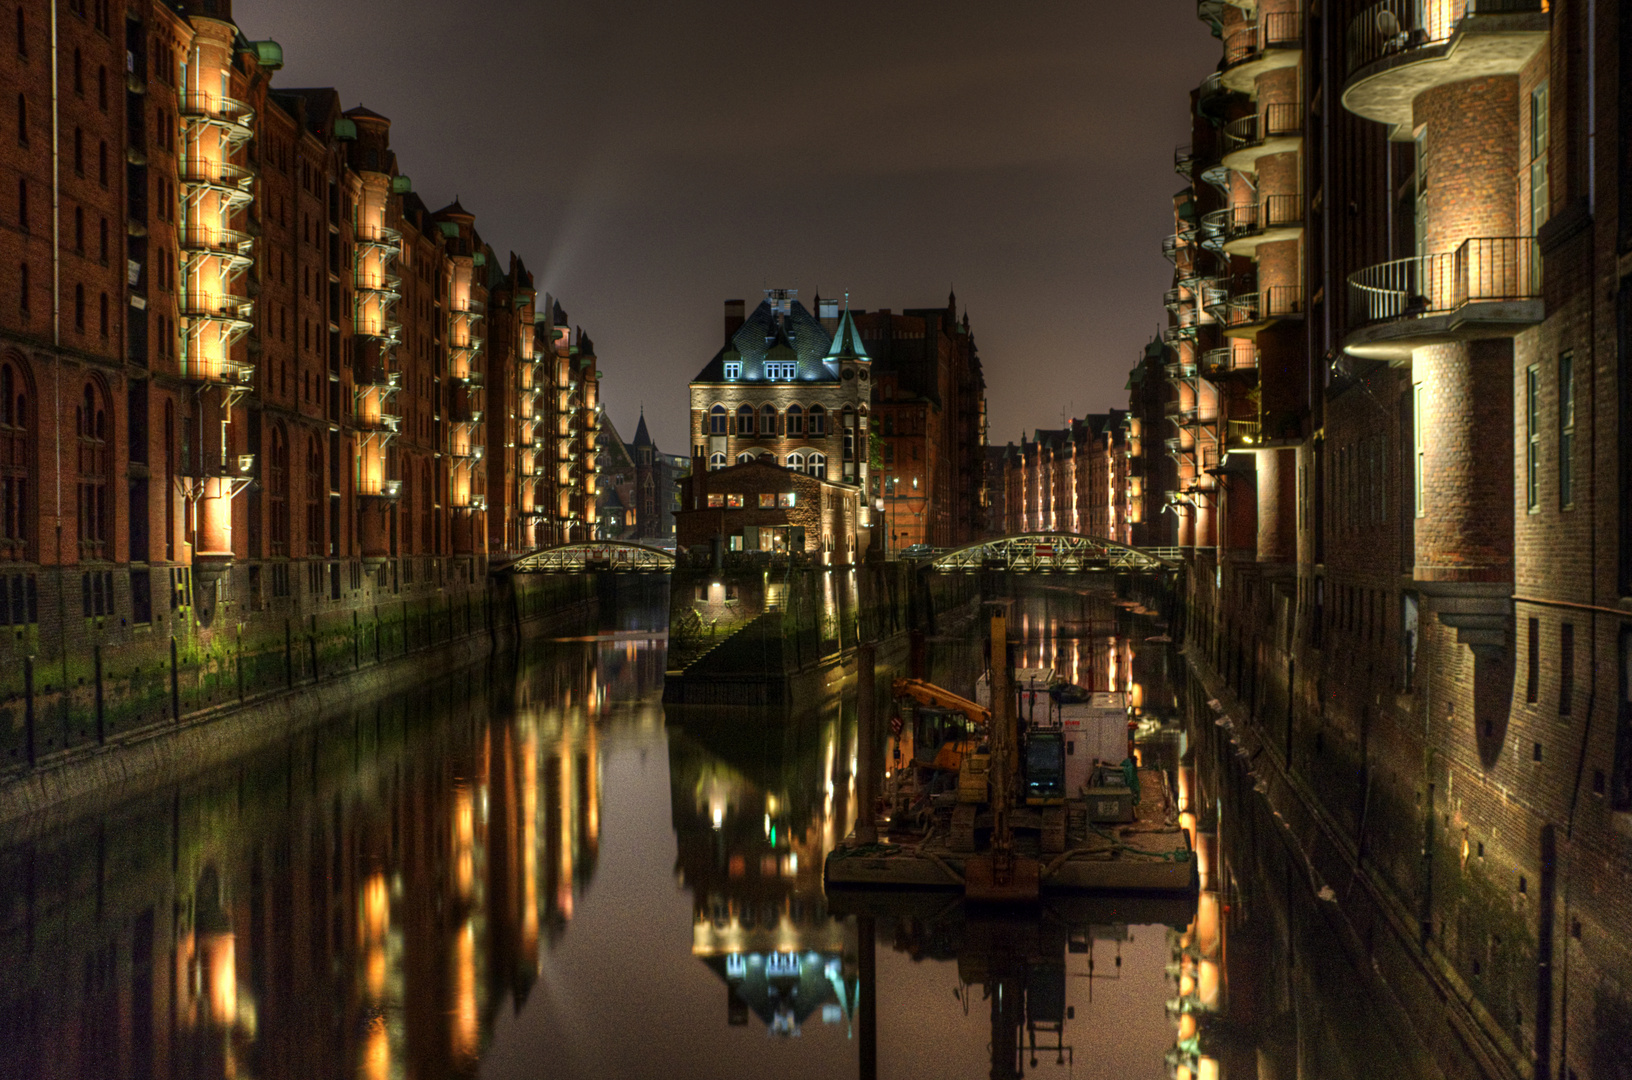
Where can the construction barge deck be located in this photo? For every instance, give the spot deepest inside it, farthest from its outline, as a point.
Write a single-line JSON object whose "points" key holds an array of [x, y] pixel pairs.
{"points": [[1145, 856]]}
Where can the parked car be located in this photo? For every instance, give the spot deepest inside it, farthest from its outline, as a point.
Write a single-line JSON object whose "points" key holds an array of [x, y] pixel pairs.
{"points": [[917, 551]]}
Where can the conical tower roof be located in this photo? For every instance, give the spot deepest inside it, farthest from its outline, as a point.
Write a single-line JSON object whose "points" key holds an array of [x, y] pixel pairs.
{"points": [[847, 340], [642, 437]]}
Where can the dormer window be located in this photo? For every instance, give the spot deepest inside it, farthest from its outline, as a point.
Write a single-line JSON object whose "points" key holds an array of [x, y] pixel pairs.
{"points": [[733, 369], [780, 369]]}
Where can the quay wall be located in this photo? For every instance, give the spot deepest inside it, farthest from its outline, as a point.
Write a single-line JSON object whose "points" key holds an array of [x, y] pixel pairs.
{"points": [[88, 701]]}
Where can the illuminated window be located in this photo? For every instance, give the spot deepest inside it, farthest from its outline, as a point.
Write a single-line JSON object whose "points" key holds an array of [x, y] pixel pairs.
{"points": [[796, 462], [733, 369], [787, 498], [716, 500], [767, 500], [1539, 205], [816, 465], [780, 369], [716, 462], [733, 502]]}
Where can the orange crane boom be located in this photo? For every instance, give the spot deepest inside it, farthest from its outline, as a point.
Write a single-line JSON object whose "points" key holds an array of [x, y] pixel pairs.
{"points": [[927, 693]]}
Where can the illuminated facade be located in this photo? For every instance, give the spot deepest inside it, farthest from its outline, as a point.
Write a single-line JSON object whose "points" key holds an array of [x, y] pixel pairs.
{"points": [[245, 367], [1072, 480], [1397, 395]]}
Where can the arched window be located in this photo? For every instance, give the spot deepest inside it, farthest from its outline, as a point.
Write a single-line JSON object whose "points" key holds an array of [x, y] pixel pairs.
{"points": [[278, 485], [314, 498], [767, 420], [15, 488], [716, 462], [95, 466], [796, 420], [745, 420], [818, 421], [746, 457], [816, 465], [716, 420], [796, 461]]}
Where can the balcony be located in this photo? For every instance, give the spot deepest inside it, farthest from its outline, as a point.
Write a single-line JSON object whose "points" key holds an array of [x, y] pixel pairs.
{"points": [[232, 182], [387, 490], [1486, 288], [378, 286], [1274, 41], [1183, 161], [1212, 97], [471, 377], [1178, 333], [1276, 130], [219, 467], [1229, 358], [234, 118], [378, 378], [217, 370], [1241, 433], [464, 413], [1250, 313], [202, 242], [376, 422], [1272, 219], [1180, 369], [467, 452], [1172, 245], [377, 236], [1397, 49]]}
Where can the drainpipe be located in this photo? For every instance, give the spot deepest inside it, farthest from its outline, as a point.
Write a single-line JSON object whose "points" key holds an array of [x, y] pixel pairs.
{"points": [[56, 304]]}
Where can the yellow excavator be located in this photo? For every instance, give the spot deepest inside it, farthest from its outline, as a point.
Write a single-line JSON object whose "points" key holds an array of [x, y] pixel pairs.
{"points": [[958, 750]]}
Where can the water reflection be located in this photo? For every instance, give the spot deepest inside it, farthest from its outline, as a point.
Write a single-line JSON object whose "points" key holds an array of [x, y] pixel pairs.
{"points": [[531, 868]]}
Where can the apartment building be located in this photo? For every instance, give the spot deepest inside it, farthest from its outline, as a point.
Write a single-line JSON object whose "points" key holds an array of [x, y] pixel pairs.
{"points": [[1399, 371]]}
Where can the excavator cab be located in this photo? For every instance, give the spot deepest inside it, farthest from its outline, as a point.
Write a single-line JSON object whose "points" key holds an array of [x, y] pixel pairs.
{"points": [[1045, 768]]}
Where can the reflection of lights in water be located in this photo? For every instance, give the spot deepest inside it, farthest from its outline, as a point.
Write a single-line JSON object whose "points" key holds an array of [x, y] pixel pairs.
{"points": [[1207, 923], [377, 1051], [564, 815], [464, 992], [529, 842], [221, 952], [464, 841], [1207, 983]]}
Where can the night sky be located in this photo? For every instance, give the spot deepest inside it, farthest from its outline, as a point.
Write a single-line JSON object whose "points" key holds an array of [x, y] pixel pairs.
{"points": [[650, 160]]}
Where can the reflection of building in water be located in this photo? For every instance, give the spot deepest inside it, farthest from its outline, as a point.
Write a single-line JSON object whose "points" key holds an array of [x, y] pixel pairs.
{"points": [[361, 901], [755, 812], [1197, 951]]}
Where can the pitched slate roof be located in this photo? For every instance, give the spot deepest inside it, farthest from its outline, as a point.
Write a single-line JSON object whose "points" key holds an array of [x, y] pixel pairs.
{"points": [[798, 336]]}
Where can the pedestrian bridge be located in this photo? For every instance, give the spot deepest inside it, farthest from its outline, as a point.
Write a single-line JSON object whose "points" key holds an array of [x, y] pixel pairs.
{"points": [[593, 556], [1053, 553]]}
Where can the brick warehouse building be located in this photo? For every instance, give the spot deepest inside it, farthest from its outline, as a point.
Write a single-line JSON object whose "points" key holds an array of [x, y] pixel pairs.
{"points": [[252, 369], [1398, 382]]}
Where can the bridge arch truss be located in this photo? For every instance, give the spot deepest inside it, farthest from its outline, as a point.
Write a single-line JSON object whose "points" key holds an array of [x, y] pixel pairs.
{"points": [[1051, 553], [593, 556]]}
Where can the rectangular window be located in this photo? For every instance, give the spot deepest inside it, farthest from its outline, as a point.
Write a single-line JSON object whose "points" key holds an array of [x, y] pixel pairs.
{"points": [[716, 500], [733, 369], [733, 502], [1566, 667], [1538, 158], [1417, 445], [767, 500], [1566, 431], [1532, 432], [787, 498], [1532, 675]]}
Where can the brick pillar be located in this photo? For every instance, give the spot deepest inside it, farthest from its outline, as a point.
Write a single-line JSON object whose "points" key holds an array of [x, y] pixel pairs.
{"points": [[1465, 532], [1472, 147], [1277, 500]]}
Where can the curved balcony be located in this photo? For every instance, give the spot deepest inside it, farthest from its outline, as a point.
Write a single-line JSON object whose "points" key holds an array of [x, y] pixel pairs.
{"points": [[1183, 160], [384, 287], [1397, 49], [217, 370], [1229, 358], [1176, 298], [1215, 297], [385, 490], [234, 118], [1274, 41], [464, 414], [376, 421], [218, 466], [378, 379], [1177, 242], [1278, 129], [1180, 369], [1487, 288], [377, 237], [203, 242], [467, 452], [470, 377], [1272, 219], [1241, 432], [232, 182], [386, 332], [1178, 333], [1250, 313], [1213, 97]]}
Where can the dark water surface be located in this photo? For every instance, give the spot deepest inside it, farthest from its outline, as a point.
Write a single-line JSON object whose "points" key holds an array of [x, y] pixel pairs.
{"points": [[533, 872]]}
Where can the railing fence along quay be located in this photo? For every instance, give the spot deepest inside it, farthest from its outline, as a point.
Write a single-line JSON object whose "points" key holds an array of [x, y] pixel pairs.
{"points": [[1480, 269], [1395, 27]]}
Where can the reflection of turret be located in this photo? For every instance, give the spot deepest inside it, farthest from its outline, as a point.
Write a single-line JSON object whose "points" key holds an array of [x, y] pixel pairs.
{"points": [[753, 820]]}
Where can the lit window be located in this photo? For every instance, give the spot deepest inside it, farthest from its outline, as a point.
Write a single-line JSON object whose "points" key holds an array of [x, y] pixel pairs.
{"points": [[733, 502], [715, 462], [787, 498], [796, 462], [767, 500], [716, 500], [780, 369], [733, 369]]}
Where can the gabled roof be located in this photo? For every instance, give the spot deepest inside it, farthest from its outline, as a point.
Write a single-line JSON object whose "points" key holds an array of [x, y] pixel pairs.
{"points": [[797, 336]]}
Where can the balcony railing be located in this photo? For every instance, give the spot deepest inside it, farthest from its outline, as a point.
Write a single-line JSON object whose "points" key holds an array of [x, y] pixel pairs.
{"points": [[1183, 160], [379, 377], [1229, 358], [1242, 432], [217, 370], [1270, 212], [1281, 119], [218, 109], [1276, 302], [377, 236], [198, 305], [1396, 27], [219, 466], [379, 489], [378, 421], [228, 242], [1281, 30], [196, 170], [1483, 269]]}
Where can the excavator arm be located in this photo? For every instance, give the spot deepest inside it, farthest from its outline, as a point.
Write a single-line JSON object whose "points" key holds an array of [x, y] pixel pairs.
{"points": [[927, 693]]}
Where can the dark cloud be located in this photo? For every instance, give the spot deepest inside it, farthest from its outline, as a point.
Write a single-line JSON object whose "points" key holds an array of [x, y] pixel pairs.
{"points": [[649, 160]]}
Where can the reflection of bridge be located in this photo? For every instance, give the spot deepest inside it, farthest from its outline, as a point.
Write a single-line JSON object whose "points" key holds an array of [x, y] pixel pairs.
{"points": [[589, 556], [1056, 553]]}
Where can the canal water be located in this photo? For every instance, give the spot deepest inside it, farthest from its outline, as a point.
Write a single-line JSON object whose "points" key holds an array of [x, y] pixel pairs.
{"points": [[533, 871]]}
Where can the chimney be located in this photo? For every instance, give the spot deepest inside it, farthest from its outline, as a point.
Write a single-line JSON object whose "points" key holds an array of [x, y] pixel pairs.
{"points": [[735, 316]]}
